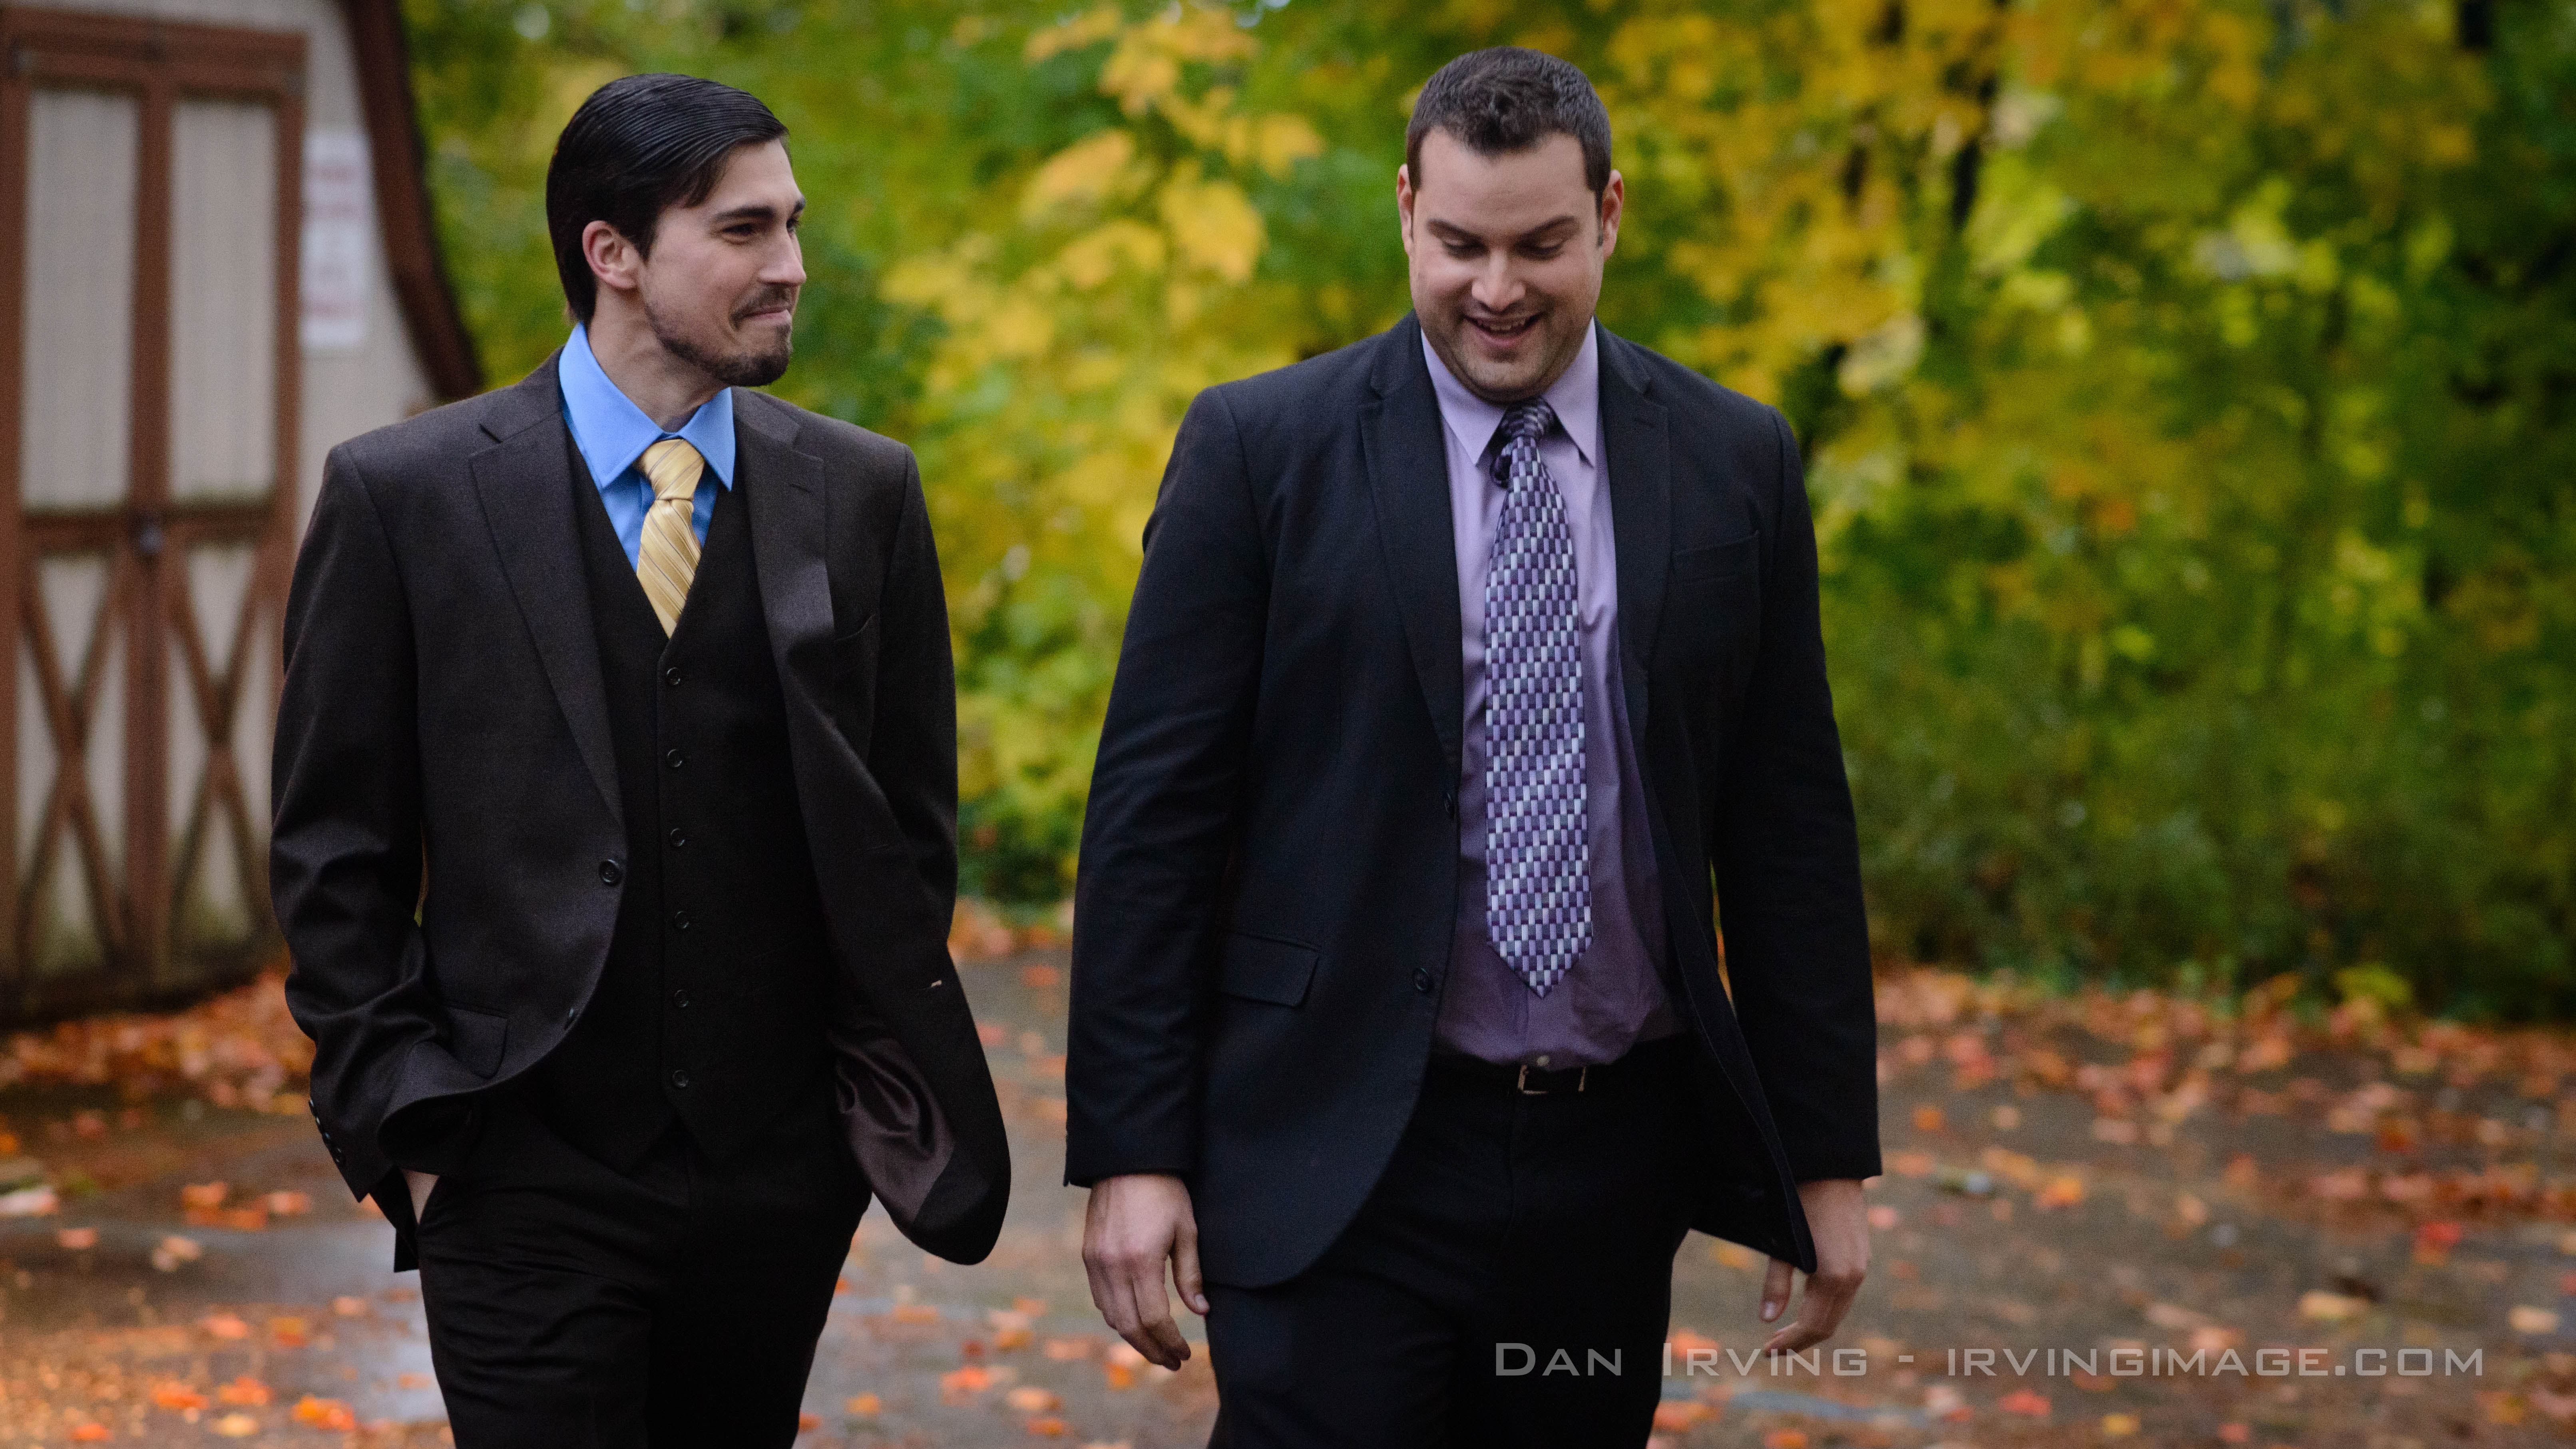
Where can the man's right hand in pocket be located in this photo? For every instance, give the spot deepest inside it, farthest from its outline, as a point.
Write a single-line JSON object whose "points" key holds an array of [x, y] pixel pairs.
{"points": [[1133, 1225], [420, 1183]]}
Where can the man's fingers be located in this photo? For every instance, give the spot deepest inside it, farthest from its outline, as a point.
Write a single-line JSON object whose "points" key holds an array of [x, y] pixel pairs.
{"points": [[1158, 1338], [1185, 1270], [1775, 1290]]}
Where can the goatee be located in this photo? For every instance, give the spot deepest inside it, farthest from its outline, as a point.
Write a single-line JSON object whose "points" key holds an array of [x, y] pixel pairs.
{"points": [[734, 369]]}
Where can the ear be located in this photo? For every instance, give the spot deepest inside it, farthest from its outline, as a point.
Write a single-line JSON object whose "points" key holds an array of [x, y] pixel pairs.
{"points": [[613, 259], [1404, 206], [1614, 203]]}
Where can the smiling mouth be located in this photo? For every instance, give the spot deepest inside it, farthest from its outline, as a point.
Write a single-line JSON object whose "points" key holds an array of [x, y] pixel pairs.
{"points": [[1501, 329]]}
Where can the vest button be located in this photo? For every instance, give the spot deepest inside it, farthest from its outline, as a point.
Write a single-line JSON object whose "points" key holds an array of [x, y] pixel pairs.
{"points": [[680, 1076], [679, 920], [1422, 980], [610, 872], [679, 837], [672, 676], [675, 759], [680, 999]]}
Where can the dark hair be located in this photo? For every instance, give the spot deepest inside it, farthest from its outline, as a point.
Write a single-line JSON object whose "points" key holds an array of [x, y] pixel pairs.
{"points": [[1508, 99], [639, 146]]}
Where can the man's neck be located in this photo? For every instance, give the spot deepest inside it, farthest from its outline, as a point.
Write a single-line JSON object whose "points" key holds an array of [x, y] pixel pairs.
{"points": [[668, 388]]}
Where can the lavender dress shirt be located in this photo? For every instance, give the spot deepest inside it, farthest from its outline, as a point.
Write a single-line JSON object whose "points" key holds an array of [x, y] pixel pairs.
{"points": [[1617, 995]]}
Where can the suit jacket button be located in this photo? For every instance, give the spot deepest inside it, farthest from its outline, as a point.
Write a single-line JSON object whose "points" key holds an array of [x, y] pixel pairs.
{"points": [[679, 920], [675, 758], [1422, 979], [680, 999], [680, 1076], [610, 872], [672, 676]]}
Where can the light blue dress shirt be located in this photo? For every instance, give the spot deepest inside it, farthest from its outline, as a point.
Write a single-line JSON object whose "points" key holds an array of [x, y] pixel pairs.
{"points": [[612, 433]]}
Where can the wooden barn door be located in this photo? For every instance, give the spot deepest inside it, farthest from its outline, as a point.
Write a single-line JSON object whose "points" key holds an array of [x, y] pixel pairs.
{"points": [[148, 251]]}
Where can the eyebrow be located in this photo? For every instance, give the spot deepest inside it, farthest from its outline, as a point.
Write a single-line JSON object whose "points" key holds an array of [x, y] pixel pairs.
{"points": [[1450, 231], [757, 211]]}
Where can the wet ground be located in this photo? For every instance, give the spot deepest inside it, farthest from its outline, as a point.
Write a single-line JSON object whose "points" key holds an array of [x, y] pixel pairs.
{"points": [[2116, 1179]]}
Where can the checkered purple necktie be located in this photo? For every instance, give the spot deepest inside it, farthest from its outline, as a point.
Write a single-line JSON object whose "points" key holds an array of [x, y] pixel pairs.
{"points": [[1538, 866]]}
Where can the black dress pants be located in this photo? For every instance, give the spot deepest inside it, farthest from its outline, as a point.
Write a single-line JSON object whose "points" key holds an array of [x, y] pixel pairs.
{"points": [[1507, 1282], [674, 1304]]}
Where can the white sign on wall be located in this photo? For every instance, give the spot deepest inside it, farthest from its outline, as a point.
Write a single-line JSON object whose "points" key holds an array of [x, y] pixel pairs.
{"points": [[339, 231]]}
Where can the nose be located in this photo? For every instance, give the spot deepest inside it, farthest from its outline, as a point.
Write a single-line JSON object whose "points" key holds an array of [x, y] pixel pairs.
{"points": [[1496, 288], [786, 265]]}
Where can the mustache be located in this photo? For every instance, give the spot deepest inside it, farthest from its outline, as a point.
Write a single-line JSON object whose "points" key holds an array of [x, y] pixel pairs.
{"points": [[769, 300]]}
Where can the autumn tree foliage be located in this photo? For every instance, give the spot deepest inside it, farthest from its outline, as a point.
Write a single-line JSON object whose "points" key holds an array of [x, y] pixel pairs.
{"points": [[2185, 390]]}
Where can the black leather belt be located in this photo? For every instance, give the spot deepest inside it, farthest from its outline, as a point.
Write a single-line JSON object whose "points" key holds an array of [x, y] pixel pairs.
{"points": [[1531, 1080]]}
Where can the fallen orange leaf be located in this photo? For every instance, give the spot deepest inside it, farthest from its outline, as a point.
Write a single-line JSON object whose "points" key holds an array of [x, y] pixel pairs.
{"points": [[244, 1390], [205, 1195], [91, 1433], [1680, 1414], [1030, 1399], [289, 1332], [226, 1325], [2023, 1401], [77, 1239], [177, 1397], [1118, 1375], [324, 1413], [1785, 1439], [864, 1405], [237, 1426], [806, 1422], [1048, 1427]]}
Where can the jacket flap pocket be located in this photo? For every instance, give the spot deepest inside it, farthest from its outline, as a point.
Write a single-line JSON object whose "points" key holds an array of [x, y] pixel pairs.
{"points": [[1260, 969], [475, 1038], [1717, 560]]}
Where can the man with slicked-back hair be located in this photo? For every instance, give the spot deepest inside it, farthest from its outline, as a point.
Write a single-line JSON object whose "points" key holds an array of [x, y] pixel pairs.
{"points": [[615, 827], [1473, 671]]}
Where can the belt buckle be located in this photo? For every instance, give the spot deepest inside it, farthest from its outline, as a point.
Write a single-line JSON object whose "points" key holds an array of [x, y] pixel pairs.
{"points": [[1521, 1084]]}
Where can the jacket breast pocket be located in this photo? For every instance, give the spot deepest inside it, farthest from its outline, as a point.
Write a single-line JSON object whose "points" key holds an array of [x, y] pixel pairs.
{"points": [[1717, 560], [1257, 968]]}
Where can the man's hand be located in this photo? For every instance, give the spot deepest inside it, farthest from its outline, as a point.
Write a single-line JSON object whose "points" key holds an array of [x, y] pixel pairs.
{"points": [[1840, 1227], [420, 1183], [1133, 1224]]}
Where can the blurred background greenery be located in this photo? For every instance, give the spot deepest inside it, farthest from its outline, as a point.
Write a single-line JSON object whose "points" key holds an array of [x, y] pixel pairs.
{"points": [[2188, 391]]}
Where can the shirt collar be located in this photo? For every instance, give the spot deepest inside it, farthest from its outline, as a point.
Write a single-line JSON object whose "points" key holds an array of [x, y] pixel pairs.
{"points": [[1576, 397], [612, 432]]}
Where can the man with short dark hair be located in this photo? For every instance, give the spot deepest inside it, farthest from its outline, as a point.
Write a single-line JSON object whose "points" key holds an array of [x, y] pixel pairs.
{"points": [[615, 827], [1472, 669]]}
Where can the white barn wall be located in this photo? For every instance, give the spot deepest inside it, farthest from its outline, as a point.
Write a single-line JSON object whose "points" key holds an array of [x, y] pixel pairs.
{"points": [[345, 393]]}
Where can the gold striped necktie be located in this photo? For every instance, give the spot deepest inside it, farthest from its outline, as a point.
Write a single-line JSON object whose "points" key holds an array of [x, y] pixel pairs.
{"points": [[668, 557]]}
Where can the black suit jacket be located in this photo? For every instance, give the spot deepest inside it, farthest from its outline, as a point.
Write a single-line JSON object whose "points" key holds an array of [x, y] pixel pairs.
{"points": [[444, 710], [1268, 885]]}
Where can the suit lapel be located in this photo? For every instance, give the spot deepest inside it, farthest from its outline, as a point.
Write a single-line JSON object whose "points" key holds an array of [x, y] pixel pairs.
{"points": [[1408, 471], [525, 483], [1637, 450], [783, 495]]}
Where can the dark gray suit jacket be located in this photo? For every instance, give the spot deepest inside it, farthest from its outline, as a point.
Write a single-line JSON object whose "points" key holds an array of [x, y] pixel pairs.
{"points": [[444, 711], [1268, 887]]}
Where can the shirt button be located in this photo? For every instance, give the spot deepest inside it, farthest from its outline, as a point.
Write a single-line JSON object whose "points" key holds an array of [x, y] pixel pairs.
{"points": [[680, 999], [672, 676], [679, 837], [610, 872], [680, 1076], [679, 920], [675, 759], [1422, 980]]}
